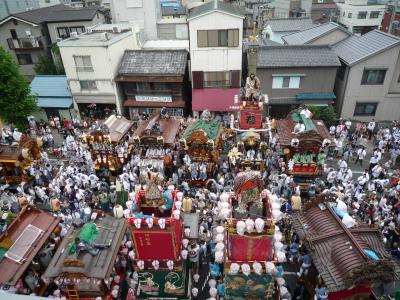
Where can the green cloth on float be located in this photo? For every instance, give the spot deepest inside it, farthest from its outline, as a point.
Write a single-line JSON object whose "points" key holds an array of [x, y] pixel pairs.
{"points": [[308, 123], [210, 127], [88, 234]]}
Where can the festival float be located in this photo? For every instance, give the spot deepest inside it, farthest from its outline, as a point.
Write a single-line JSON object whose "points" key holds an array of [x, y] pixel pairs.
{"points": [[303, 140], [26, 250], [108, 142], [246, 244], [202, 142], [348, 255], [155, 139], [84, 266], [161, 274], [16, 159]]}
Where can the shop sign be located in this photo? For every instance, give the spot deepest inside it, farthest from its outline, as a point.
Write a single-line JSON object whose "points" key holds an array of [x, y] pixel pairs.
{"points": [[153, 98]]}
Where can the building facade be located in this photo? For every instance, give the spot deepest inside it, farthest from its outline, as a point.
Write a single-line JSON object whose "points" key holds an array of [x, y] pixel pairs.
{"points": [[275, 29], [154, 79], [146, 12], [215, 31], [307, 76], [387, 19], [323, 11], [9, 7], [367, 84], [91, 63], [359, 16]]}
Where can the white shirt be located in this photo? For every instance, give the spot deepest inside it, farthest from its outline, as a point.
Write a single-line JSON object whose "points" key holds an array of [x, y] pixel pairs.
{"points": [[371, 126]]}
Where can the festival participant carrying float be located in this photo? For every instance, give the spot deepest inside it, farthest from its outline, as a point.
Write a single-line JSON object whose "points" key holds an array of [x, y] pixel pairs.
{"points": [[17, 158], [249, 241], [108, 142], [85, 263], [249, 152], [350, 259], [155, 139], [303, 141], [159, 255], [202, 142]]}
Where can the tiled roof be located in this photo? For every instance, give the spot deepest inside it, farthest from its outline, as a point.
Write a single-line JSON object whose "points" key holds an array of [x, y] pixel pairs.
{"points": [[51, 91], [219, 6], [308, 35], [357, 48], [57, 13], [297, 56], [153, 62], [290, 24], [338, 252]]}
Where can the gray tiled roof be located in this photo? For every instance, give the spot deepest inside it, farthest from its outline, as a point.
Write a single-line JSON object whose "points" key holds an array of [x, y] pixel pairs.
{"points": [[357, 48], [57, 13], [153, 62], [308, 35], [296, 56], [289, 24], [221, 6]]}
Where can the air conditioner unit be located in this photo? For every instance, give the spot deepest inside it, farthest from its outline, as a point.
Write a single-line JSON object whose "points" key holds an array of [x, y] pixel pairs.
{"points": [[116, 29], [74, 35], [89, 30], [28, 33], [104, 36]]}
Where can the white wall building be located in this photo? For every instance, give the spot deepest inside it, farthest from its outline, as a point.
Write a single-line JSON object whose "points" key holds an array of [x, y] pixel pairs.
{"points": [[359, 16], [91, 63], [147, 12], [215, 34]]}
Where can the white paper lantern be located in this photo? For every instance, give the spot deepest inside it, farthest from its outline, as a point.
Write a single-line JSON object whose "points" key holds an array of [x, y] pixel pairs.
{"points": [[131, 254], [278, 246], [270, 268], [161, 223], [249, 225], [219, 256], [187, 231], [234, 269], [195, 292], [140, 264], [240, 227], [280, 281], [213, 292], [259, 224], [178, 205], [212, 283], [257, 267], [184, 254], [196, 278], [277, 236], [246, 269], [176, 213], [185, 243], [138, 223], [170, 265], [150, 222], [155, 264], [280, 256], [179, 196], [128, 244]]}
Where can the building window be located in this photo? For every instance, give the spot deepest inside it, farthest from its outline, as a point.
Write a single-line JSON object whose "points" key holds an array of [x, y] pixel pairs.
{"points": [[362, 15], [286, 82], [365, 109], [24, 59], [373, 76], [374, 14], [63, 32], [83, 64], [78, 30], [88, 84], [217, 79], [218, 38], [13, 34], [349, 15]]}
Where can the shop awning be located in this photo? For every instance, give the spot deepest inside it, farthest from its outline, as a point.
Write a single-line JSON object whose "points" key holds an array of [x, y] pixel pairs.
{"points": [[54, 102], [214, 99], [173, 104], [315, 96]]}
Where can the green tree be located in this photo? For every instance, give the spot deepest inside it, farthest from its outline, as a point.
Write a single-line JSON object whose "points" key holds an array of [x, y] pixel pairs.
{"points": [[45, 66], [326, 114], [16, 101]]}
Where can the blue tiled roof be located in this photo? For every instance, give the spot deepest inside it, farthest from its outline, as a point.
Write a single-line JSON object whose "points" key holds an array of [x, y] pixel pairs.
{"points": [[52, 91], [315, 96]]}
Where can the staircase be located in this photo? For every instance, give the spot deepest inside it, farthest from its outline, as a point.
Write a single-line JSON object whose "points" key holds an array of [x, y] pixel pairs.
{"points": [[72, 293]]}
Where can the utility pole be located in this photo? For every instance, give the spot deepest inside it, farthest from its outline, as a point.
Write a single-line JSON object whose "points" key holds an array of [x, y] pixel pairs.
{"points": [[393, 16]]}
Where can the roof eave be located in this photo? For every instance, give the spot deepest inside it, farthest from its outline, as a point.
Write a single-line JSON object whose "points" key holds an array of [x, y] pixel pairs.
{"points": [[373, 54], [19, 19], [216, 10]]}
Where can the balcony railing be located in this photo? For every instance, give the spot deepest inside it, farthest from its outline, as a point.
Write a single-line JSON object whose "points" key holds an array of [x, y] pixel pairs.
{"points": [[25, 43]]}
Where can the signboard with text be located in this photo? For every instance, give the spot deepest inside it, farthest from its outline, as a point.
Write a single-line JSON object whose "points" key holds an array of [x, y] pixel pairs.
{"points": [[153, 98]]}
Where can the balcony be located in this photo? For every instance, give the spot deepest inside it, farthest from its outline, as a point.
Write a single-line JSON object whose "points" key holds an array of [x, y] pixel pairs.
{"points": [[25, 43]]}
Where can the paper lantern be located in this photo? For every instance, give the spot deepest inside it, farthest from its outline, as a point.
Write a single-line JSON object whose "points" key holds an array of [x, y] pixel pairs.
{"points": [[195, 292], [259, 224], [280, 281], [127, 213], [128, 244], [140, 264], [219, 256], [176, 213], [257, 267], [161, 223], [278, 246], [270, 267], [249, 225], [240, 227], [118, 211], [213, 292], [131, 254], [280, 256], [138, 223], [234, 269], [196, 277], [170, 265], [187, 205], [187, 232], [219, 247], [246, 269], [179, 196], [184, 254], [149, 222], [155, 264], [185, 243], [178, 205]]}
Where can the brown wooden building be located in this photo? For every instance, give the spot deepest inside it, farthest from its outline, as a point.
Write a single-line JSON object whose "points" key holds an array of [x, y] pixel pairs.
{"points": [[153, 79]]}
